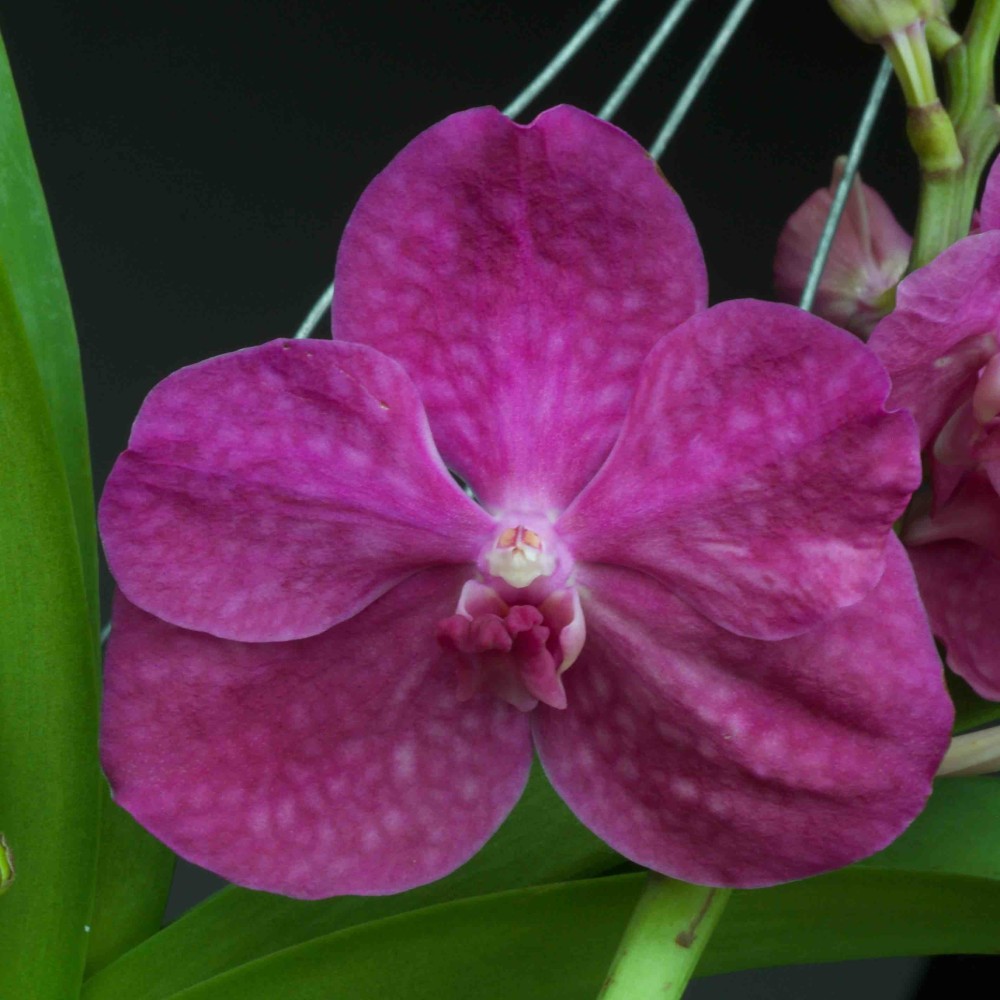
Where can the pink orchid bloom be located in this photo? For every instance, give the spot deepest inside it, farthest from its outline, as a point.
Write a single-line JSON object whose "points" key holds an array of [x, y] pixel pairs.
{"points": [[868, 256], [329, 664], [942, 348]]}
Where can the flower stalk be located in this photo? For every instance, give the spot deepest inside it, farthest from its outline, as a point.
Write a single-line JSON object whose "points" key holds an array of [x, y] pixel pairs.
{"points": [[948, 191], [663, 941], [972, 753]]}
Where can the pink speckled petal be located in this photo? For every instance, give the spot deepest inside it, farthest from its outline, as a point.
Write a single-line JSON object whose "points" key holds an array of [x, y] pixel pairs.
{"points": [[342, 763], [942, 331], [520, 274], [869, 254], [730, 761], [757, 474], [268, 494], [989, 209], [959, 583]]}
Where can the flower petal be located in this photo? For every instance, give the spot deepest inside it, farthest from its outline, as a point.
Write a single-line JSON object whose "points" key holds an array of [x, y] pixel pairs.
{"points": [[942, 331], [270, 493], [730, 761], [757, 473], [343, 763], [959, 583], [520, 274]]}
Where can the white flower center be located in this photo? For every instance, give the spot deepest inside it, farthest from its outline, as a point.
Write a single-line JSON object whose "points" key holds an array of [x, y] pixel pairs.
{"points": [[519, 557]]}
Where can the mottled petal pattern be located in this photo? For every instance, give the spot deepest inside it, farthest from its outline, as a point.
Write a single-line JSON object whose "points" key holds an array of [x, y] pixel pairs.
{"points": [[729, 761], [757, 473], [520, 274], [959, 583], [270, 493], [343, 763], [943, 330]]}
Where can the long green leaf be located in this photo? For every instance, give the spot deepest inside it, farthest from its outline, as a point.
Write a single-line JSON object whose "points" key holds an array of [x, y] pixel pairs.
{"points": [[133, 878], [558, 940], [28, 247], [540, 842], [957, 834], [48, 696]]}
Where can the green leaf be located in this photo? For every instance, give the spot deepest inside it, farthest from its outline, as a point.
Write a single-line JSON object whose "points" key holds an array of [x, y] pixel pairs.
{"points": [[957, 834], [970, 709], [48, 695], [558, 940], [28, 249], [124, 910], [540, 842], [134, 872]]}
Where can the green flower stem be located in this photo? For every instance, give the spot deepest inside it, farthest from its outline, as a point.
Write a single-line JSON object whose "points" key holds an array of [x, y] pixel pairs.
{"points": [[948, 195], [669, 929]]}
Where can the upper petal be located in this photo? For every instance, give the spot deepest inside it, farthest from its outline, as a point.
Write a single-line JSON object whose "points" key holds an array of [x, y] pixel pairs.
{"points": [[757, 473], [342, 763], [730, 761], [942, 331], [520, 274], [271, 493]]}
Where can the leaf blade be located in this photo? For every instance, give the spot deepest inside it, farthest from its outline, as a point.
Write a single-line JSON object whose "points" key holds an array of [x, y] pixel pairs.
{"points": [[558, 940], [48, 697]]}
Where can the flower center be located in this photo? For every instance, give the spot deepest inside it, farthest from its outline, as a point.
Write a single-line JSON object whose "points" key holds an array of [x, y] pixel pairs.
{"points": [[519, 626], [520, 556]]}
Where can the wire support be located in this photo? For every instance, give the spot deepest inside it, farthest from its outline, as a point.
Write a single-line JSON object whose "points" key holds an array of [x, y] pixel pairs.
{"points": [[700, 76], [860, 141]]}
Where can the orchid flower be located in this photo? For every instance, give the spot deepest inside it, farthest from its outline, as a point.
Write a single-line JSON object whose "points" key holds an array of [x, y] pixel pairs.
{"points": [[942, 348], [671, 573], [868, 256]]}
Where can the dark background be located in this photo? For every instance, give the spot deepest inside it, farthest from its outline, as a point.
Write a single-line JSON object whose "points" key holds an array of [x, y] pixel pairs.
{"points": [[200, 160]]}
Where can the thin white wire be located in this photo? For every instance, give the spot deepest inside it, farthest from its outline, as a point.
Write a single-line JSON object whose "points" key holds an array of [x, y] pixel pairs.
{"points": [[701, 74], [561, 58], [311, 321], [864, 129], [641, 64]]}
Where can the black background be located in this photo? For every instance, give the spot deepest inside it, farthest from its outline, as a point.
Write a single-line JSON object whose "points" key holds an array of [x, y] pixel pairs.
{"points": [[200, 160]]}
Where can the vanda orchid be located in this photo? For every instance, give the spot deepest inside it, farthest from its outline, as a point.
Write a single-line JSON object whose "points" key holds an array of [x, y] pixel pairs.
{"points": [[523, 624], [673, 571]]}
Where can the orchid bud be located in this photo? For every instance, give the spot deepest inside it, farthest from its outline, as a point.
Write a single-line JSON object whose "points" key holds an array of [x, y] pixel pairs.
{"points": [[869, 256]]}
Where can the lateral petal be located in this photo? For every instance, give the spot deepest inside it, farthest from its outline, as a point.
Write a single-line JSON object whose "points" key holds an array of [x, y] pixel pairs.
{"points": [[757, 474], [271, 493]]}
